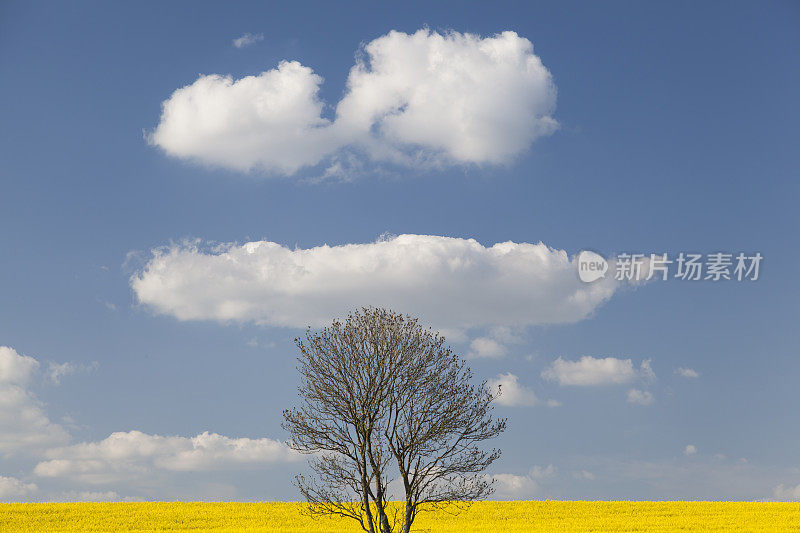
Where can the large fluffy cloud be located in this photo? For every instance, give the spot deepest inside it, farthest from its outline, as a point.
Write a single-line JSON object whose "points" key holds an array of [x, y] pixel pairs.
{"points": [[24, 426], [271, 120], [124, 455], [447, 98], [475, 100], [449, 283]]}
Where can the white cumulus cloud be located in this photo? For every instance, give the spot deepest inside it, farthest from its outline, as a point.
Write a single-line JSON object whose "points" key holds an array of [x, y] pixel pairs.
{"points": [[421, 98], [123, 455], [493, 345], [16, 368], [486, 347], [513, 486], [472, 99], [449, 283], [151, 465], [690, 450], [12, 489], [512, 393], [590, 371], [271, 121], [24, 426]]}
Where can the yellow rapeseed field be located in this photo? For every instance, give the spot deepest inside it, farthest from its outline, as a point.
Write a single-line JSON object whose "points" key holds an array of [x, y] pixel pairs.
{"points": [[480, 517]]}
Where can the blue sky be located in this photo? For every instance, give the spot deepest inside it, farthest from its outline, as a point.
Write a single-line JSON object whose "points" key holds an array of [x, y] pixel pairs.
{"points": [[676, 132]]}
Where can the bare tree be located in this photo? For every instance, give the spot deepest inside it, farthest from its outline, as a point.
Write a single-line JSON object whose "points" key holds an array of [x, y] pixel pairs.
{"points": [[388, 407]]}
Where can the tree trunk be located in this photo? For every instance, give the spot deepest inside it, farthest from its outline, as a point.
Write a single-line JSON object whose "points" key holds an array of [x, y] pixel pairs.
{"points": [[368, 512], [409, 517], [384, 520]]}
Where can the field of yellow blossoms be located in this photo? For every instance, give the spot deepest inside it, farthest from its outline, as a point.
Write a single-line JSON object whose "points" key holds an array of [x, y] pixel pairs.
{"points": [[480, 517]]}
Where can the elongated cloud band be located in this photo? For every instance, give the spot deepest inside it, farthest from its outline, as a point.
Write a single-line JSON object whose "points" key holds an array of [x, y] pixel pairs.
{"points": [[450, 283], [125, 454], [591, 371], [424, 98]]}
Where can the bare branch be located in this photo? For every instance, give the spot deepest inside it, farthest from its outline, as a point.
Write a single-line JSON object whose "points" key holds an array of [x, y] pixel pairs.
{"points": [[380, 390]]}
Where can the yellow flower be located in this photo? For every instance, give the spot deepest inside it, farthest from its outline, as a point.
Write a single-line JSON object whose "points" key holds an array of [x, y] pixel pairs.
{"points": [[479, 517]]}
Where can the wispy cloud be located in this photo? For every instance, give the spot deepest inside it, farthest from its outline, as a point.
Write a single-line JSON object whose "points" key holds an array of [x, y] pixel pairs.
{"points": [[686, 372], [640, 397], [248, 39], [56, 371]]}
